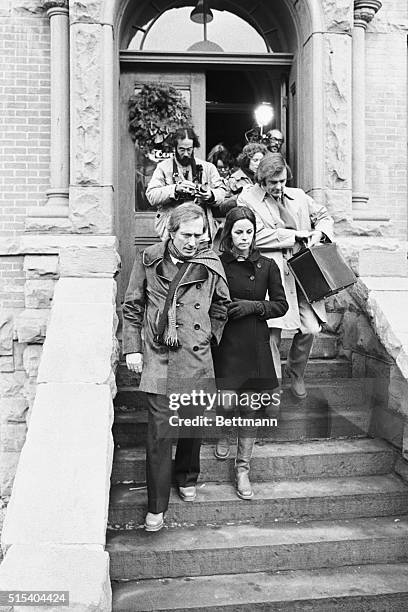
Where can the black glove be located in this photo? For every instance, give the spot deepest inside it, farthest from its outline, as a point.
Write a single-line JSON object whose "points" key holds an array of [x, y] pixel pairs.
{"points": [[218, 311], [238, 309]]}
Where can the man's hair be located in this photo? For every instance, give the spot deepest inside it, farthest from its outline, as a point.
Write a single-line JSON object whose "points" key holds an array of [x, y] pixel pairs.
{"points": [[185, 212], [185, 132], [236, 214], [271, 165], [248, 152], [274, 134]]}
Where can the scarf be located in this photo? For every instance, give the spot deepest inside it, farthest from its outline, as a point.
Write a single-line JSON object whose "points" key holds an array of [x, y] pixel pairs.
{"points": [[167, 330]]}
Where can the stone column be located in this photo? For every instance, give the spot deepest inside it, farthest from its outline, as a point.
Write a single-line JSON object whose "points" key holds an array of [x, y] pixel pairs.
{"points": [[364, 11], [57, 11], [54, 216]]}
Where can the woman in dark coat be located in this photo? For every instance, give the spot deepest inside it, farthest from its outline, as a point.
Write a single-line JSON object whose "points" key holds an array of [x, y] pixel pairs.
{"points": [[243, 360]]}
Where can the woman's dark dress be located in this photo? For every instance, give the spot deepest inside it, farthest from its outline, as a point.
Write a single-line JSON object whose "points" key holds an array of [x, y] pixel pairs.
{"points": [[243, 360]]}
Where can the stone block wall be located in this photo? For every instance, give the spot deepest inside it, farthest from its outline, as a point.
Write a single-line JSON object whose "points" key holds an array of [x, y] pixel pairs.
{"points": [[24, 323], [59, 537], [371, 323], [22, 333]]}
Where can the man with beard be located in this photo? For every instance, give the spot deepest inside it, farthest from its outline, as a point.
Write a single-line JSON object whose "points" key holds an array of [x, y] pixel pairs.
{"points": [[185, 179], [274, 141]]}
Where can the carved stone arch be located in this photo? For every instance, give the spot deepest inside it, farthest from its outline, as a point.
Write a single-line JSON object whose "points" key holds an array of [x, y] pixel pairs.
{"points": [[307, 16]]}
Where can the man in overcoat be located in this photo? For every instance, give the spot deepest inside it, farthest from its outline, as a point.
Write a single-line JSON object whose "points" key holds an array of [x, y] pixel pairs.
{"points": [[171, 289], [286, 219], [184, 178]]}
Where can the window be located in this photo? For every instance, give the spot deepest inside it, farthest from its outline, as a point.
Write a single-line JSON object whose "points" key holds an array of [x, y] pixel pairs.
{"points": [[174, 31]]}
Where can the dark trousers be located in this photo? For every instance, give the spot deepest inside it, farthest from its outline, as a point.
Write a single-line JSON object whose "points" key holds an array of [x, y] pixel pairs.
{"points": [[160, 436]]}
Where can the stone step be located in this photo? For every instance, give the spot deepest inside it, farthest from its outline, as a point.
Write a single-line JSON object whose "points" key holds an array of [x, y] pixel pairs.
{"points": [[130, 429], [373, 588], [235, 549], [316, 368], [288, 500], [325, 346], [333, 408], [280, 461], [338, 393]]}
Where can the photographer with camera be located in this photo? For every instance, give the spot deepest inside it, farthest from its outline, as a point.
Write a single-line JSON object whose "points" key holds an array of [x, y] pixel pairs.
{"points": [[185, 179]]}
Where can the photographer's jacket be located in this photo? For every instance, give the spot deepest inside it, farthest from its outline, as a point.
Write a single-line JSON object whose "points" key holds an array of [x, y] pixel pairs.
{"points": [[168, 371], [160, 192]]}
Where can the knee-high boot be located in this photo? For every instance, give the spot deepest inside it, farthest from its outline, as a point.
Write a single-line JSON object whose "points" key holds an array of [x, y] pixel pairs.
{"points": [[245, 447], [297, 360]]}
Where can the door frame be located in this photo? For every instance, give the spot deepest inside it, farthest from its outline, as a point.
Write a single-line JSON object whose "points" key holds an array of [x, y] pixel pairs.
{"points": [[132, 61], [222, 60]]}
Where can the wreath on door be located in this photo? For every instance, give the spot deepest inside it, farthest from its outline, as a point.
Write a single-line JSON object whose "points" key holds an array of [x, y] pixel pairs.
{"points": [[156, 111]]}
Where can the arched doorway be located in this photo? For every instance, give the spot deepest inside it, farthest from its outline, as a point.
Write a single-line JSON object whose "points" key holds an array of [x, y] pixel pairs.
{"points": [[222, 86]]}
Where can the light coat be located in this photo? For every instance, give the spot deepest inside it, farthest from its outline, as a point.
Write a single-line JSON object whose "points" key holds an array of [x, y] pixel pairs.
{"points": [[160, 193], [190, 367], [277, 242]]}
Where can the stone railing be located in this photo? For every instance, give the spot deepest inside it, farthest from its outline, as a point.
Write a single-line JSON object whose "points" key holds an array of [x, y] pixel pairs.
{"points": [[22, 333], [373, 327], [55, 524]]}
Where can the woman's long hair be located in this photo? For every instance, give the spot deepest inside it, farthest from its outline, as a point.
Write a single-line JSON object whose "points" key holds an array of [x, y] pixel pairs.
{"points": [[236, 214], [248, 152]]}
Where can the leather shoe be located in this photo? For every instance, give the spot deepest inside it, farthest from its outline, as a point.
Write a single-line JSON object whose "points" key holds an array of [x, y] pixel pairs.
{"points": [[154, 522], [244, 487], [188, 494], [222, 449]]}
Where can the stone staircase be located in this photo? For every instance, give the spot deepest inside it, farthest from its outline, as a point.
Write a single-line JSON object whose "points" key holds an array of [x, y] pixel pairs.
{"points": [[327, 529]]}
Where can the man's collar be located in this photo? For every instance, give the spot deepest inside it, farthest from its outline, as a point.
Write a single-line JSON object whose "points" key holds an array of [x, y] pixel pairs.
{"points": [[285, 194], [174, 259], [154, 253]]}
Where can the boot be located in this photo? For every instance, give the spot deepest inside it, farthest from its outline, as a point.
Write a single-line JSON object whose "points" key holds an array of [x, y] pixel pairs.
{"points": [[222, 449], [244, 487], [242, 464], [297, 359]]}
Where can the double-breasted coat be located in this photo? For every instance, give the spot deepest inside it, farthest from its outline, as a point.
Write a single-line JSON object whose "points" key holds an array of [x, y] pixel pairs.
{"points": [[277, 242], [190, 367], [243, 359]]}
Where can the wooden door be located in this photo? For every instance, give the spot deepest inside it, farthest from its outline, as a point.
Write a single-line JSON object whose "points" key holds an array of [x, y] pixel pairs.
{"points": [[135, 218]]}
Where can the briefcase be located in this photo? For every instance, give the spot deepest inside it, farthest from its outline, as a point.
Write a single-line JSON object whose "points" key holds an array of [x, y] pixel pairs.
{"points": [[320, 271]]}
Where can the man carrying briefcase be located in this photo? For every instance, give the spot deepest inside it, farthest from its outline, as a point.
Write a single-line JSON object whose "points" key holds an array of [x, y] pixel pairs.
{"points": [[287, 218]]}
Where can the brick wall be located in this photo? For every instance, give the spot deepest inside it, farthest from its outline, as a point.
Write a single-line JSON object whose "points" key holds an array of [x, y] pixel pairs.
{"points": [[386, 111], [24, 116], [24, 128]]}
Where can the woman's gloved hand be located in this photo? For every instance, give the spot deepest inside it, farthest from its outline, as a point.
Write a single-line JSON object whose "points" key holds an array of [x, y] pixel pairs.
{"points": [[238, 309]]}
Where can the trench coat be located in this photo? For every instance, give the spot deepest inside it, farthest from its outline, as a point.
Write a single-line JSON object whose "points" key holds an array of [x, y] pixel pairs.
{"points": [[243, 359], [278, 243], [190, 367], [160, 193]]}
